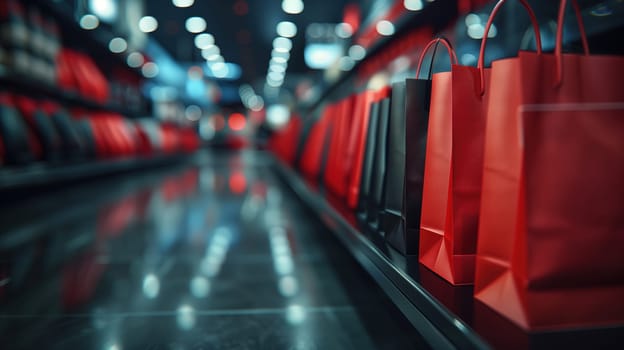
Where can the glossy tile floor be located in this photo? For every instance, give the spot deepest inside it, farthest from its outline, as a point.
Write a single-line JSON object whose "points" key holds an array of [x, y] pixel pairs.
{"points": [[219, 255]]}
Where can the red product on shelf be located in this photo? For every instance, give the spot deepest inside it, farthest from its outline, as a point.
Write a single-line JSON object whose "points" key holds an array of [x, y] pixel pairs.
{"points": [[64, 74], [170, 138], [283, 143], [340, 157], [551, 230], [144, 144], [311, 157], [150, 133], [189, 139], [113, 135], [78, 72]]}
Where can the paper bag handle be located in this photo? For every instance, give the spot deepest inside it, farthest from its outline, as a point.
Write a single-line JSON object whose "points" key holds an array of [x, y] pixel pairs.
{"points": [[538, 39], [559, 41], [435, 42]]}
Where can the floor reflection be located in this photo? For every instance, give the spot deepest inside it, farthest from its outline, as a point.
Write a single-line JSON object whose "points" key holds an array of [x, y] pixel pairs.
{"points": [[214, 255]]}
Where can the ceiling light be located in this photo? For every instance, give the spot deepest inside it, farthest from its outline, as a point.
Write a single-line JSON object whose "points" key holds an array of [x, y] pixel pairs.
{"points": [[204, 40], [183, 3], [282, 54], [195, 24], [210, 50], [221, 73], [292, 7], [106, 10], [344, 30], [476, 31], [322, 56], [215, 58], [273, 83], [89, 22], [357, 52], [277, 68], [117, 45], [135, 60], [281, 44], [256, 103], [219, 69], [286, 29], [413, 5], [277, 115], [217, 66], [279, 60], [223, 70], [275, 76], [472, 18], [149, 70], [148, 24], [385, 27]]}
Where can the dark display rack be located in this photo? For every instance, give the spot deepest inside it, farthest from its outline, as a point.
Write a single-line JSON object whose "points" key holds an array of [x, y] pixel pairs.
{"points": [[23, 83], [73, 34], [93, 42], [44, 174]]}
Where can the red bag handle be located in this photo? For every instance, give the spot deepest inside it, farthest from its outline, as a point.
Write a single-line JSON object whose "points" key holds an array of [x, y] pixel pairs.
{"points": [[534, 22], [559, 42], [435, 42]]}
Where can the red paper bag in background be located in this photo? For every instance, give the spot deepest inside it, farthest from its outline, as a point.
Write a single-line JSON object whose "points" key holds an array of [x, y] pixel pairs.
{"points": [[453, 169], [339, 161], [310, 161], [357, 144], [551, 238], [283, 142]]}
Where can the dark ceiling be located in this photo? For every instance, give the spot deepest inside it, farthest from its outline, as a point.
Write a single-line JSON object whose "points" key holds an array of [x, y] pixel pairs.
{"points": [[243, 29]]}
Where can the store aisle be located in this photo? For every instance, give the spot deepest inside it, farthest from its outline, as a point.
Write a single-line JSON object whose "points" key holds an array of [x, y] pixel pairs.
{"points": [[220, 255]]}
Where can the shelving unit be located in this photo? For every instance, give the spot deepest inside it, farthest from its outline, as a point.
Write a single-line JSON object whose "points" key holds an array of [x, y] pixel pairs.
{"points": [[32, 176], [24, 83], [61, 11]]}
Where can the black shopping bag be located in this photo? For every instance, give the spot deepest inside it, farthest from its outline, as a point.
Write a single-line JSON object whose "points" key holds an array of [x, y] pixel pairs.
{"points": [[367, 165], [375, 199], [407, 140]]}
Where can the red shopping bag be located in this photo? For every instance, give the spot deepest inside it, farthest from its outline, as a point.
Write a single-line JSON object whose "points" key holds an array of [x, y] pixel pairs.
{"points": [[552, 233], [311, 157], [357, 144], [453, 170], [339, 161], [283, 142]]}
